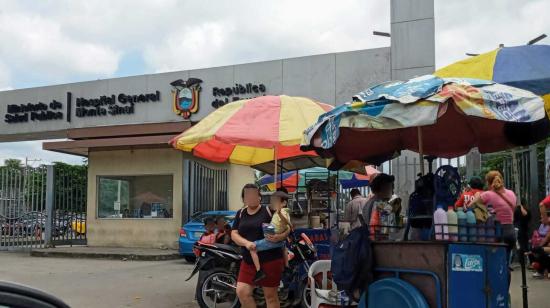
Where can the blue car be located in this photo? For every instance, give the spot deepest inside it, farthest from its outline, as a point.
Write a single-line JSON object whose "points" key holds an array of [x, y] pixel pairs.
{"points": [[191, 232]]}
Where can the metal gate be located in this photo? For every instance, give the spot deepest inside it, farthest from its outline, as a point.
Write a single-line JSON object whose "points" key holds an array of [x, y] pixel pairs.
{"points": [[42, 207], [205, 189], [69, 205], [22, 208], [527, 177]]}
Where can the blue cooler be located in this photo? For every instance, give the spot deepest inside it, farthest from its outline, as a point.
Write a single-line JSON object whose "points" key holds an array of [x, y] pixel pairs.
{"points": [[478, 276]]}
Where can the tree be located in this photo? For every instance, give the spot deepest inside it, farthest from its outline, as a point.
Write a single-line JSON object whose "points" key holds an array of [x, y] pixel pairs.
{"points": [[12, 163], [29, 184], [70, 186]]}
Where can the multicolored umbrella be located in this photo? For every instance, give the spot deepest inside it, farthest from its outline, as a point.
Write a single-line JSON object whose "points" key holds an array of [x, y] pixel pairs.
{"points": [[293, 179], [289, 180], [357, 180], [445, 117], [526, 67], [254, 131]]}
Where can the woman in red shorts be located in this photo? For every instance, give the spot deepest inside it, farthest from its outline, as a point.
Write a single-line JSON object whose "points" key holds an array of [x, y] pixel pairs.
{"points": [[247, 228]]}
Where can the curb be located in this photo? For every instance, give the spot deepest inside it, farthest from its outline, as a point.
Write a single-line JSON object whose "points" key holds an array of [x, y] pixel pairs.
{"points": [[104, 256]]}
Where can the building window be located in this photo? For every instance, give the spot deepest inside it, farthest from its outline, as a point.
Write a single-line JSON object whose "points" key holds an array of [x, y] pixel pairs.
{"points": [[143, 196]]}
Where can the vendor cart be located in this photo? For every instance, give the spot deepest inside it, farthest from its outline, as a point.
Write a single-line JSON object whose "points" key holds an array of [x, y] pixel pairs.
{"points": [[477, 271]]}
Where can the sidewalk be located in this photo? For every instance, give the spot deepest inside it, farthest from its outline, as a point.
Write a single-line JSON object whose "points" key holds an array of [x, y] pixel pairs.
{"points": [[537, 292], [110, 253]]}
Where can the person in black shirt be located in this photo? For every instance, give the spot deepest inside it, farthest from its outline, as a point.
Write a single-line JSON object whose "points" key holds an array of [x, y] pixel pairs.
{"points": [[247, 228], [522, 216]]}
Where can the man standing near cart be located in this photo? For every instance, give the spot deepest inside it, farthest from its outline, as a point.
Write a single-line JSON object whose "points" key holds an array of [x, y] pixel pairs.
{"points": [[354, 208]]}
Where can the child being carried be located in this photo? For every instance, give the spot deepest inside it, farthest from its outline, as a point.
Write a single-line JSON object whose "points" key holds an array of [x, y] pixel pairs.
{"points": [[280, 222]]}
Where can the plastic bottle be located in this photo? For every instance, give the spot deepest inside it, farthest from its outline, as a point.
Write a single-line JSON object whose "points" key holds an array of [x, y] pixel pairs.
{"points": [[481, 232], [462, 225], [490, 225], [440, 221], [452, 221], [472, 225]]}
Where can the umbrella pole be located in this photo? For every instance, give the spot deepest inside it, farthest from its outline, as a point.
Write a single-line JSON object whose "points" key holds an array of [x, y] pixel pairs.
{"points": [[275, 171], [420, 150], [281, 172]]}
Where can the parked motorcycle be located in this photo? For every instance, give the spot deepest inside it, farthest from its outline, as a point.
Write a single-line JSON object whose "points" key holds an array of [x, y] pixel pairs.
{"points": [[219, 266]]}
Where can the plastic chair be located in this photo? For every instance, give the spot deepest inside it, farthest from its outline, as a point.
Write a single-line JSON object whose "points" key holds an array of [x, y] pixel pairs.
{"points": [[322, 292]]}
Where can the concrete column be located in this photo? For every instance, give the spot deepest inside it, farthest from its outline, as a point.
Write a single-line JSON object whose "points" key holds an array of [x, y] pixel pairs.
{"points": [[412, 38], [186, 191], [412, 54], [473, 163]]}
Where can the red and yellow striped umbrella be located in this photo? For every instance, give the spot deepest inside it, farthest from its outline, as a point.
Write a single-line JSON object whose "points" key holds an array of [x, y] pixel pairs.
{"points": [[250, 132]]}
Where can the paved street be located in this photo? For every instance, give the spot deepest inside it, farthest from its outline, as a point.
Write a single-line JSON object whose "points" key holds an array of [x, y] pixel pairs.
{"points": [[103, 283], [159, 284]]}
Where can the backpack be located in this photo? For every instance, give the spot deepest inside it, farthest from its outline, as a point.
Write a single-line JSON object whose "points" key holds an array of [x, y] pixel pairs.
{"points": [[447, 185], [421, 202], [352, 263]]}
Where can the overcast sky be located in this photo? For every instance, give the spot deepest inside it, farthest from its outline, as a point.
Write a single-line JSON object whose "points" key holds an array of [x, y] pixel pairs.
{"points": [[50, 42]]}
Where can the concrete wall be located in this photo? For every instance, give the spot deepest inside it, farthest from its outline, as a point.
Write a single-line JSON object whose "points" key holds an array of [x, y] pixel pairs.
{"points": [[134, 232], [148, 232], [331, 78], [238, 177], [412, 38]]}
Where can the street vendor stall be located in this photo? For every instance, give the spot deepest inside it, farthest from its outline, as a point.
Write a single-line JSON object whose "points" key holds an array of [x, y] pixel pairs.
{"points": [[443, 117], [318, 191]]}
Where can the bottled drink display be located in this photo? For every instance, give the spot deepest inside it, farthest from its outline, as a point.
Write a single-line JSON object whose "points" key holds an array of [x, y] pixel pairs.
{"points": [[452, 220], [472, 225], [440, 221], [490, 225], [481, 231], [462, 225]]}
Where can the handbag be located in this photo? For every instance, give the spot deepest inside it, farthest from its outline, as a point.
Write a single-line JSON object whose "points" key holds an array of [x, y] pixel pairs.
{"points": [[481, 212]]}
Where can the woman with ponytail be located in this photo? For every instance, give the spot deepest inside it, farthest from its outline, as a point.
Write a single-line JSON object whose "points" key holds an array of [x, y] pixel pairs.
{"points": [[504, 203]]}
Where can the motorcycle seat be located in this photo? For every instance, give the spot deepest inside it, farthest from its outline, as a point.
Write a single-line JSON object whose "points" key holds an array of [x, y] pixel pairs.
{"points": [[228, 248]]}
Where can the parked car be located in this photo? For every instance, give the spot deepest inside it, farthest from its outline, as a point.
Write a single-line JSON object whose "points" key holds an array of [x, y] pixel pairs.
{"points": [[11, 226], [191, 232], [26, 225], [33, 223]]}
